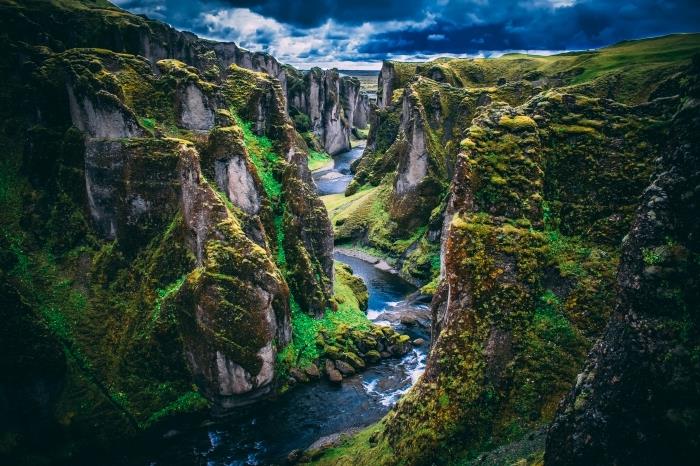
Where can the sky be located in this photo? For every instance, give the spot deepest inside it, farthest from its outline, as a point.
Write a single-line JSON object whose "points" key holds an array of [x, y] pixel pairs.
{"points": [[359, 34]]}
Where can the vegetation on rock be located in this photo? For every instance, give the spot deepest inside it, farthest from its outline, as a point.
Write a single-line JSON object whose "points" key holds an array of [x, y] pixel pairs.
{"points": [[524, 177]]}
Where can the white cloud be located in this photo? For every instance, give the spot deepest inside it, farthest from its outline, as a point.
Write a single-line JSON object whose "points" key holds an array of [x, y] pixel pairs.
{"points": [[436, 37], [325, 45], [242, 26], [548, 3]]}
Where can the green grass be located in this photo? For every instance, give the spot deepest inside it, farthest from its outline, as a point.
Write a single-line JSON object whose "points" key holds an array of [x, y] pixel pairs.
{"points": [[187, 403], [635, 66], [263, 157], [305, 328], [356, 450], [337, 202], [318, 160], [148, 123], [266, 163], [279, 229]]}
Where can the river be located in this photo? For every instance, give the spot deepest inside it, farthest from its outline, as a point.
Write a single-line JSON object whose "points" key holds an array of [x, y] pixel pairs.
{"points": [[334, 179], [266, 432]]}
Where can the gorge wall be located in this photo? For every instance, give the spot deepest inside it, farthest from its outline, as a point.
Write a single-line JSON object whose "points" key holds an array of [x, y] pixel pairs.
{"points": [[506, 186], [159, 227], [334, 105], [328, 106]]}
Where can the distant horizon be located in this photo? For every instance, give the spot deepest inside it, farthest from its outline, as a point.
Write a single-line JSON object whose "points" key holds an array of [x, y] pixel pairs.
{"points": [[327, 34], [377, 66]]}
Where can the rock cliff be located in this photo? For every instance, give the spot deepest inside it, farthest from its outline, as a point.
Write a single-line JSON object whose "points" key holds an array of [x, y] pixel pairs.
{"points": [[159, 226], [333, 104], [636, 401], [519, 183]]}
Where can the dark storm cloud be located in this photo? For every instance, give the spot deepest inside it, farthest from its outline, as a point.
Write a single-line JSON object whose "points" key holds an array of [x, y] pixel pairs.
{"points": [[309, 13], [370, 30]]}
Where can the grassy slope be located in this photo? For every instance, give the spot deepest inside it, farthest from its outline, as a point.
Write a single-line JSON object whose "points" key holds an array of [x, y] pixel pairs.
{"points": [[319, 160], [636, 61]]}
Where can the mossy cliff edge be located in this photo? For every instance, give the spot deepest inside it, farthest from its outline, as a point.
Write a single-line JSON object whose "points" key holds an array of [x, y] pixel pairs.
{"points": [[425, 109], [326, 107], [523, 176], [160, 229]]}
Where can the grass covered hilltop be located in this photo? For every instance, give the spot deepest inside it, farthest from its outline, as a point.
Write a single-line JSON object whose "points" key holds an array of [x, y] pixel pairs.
{"points": [[164, 254]]}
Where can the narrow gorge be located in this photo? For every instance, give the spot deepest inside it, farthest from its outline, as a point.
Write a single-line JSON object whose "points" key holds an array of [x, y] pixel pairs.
{"points": [[210, 257]]}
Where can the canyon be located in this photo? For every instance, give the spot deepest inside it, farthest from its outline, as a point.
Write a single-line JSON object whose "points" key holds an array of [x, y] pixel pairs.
{"points": [[211, 257]]}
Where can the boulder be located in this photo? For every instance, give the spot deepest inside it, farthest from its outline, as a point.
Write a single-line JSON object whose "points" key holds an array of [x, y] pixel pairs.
{"points": [[372, 356], [335, 376], [298, 375], [352, 358], [408, 320], [344, 368], [312, 371], [329, 366]]}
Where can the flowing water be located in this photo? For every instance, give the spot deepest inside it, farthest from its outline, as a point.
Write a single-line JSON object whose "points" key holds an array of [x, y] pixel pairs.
{"points": [[336, 178], [267, 431]]}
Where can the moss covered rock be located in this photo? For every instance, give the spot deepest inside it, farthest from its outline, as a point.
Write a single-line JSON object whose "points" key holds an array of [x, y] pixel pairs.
{"points": [[157, 210]]}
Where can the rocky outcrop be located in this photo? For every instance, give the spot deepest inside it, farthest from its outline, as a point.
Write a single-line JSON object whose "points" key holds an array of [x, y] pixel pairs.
{"points": [[636, 401], [385, 84], [413, 164], [507, 304], [333, 104], [361, 113], [308, 241], [165, 219], [233, 364], [542, 190], [355, 102], [196, 112], [393, 76]]}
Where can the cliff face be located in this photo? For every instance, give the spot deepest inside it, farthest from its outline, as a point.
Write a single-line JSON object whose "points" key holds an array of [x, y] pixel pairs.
{"points": [[523, 189], [333, 104], [392, 77], [157, 221], [410, 157], [62, 25], [636, 401], [422, 116], [510, 303]]}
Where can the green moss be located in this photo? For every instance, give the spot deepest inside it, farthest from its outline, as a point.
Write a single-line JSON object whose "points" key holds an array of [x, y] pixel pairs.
{"points": [[148, 123], [574, 129], [318, 160], [242, 86], [264, 158], [187, 403], [164, 293], [305, 329], [367, 448], [651, 256], [517, 122], [279, 230]]}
